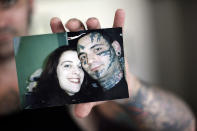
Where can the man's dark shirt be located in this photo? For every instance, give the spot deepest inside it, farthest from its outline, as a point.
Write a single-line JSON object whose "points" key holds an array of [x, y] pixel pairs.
{"points": [[120, 90]]}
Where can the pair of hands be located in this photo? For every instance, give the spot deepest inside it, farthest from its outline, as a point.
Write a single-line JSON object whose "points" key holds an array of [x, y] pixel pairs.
{"points": [[73, 25]]}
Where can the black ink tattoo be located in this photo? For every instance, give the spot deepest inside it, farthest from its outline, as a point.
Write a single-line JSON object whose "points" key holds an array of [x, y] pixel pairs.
{"points": [[156, 110]]}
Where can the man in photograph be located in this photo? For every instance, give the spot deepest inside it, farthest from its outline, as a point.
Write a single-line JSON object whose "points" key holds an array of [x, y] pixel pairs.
{"points": [[102, 59]]}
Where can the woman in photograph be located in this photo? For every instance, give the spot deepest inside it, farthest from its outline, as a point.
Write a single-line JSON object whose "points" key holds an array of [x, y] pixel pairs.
{"points": [[61, 82]]}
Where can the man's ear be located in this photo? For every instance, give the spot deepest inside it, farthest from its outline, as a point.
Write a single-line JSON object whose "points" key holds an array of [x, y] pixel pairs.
{"points": [[116, 47]]}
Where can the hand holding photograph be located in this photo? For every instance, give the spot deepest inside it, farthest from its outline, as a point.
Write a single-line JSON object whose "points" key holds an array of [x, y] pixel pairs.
{"points": [[70, 68]]}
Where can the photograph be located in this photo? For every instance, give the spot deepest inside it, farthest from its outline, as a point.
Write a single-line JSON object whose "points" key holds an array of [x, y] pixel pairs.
{"points": [[70, 68]]}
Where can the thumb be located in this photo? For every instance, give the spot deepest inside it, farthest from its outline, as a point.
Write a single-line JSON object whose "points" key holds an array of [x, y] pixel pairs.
{"points": [[82, 110]]}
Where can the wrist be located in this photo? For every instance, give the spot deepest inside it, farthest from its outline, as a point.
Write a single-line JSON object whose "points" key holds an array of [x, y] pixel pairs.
{"points": [[132, 82]]}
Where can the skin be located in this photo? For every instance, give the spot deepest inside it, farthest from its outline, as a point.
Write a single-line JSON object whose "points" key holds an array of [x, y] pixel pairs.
{"points": [[99, 60], [69, 72], [14, 21], [149, 108]]}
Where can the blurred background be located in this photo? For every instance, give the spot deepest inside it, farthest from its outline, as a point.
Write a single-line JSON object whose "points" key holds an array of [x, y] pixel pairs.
{"points": [[159, 37]]}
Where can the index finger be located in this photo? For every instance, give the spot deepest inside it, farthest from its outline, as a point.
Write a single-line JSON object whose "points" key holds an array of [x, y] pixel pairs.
{"points": [[56, 25], [119, 18]]}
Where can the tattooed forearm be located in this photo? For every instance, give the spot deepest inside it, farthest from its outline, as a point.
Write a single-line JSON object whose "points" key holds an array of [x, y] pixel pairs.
{"points": [[154, 109]]}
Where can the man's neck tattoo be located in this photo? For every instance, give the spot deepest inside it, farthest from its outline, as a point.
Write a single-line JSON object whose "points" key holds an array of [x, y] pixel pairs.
{"points": [[112, 80]]}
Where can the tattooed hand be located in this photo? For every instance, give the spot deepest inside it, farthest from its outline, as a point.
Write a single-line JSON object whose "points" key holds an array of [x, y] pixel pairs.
{"points": [[147, 108]]}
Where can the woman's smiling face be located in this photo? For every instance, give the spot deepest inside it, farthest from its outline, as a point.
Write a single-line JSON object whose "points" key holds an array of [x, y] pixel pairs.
{"points": [[69, 72]]}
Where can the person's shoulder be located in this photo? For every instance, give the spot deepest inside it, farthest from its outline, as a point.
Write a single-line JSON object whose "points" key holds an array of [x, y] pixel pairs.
{"points": [[32, 100]]}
